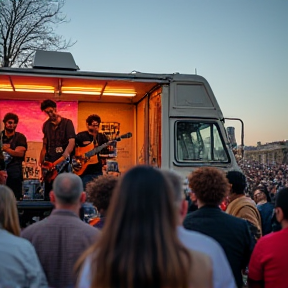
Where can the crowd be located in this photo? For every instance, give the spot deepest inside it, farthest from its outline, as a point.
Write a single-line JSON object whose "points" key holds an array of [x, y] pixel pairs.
{"points": [[273, 176], [144, 237]]}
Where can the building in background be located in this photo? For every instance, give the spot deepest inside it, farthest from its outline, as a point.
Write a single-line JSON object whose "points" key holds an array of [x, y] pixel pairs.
{"points": [[269, 153]]}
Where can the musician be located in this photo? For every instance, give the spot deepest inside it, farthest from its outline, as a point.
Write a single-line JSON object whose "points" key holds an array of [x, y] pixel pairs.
{"points": [[92, 135], [15, 146], [58, 140]]}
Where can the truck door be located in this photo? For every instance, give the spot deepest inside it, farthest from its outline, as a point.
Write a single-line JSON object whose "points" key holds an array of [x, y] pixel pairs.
{"points": [[198, 142]]}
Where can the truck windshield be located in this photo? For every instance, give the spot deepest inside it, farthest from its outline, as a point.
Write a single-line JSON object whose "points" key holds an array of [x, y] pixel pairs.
{"points": [[199, 141]]}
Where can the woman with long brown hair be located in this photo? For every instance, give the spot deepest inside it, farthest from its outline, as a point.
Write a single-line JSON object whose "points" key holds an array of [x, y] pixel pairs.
{"points": [[139, 247], [19, 265]]}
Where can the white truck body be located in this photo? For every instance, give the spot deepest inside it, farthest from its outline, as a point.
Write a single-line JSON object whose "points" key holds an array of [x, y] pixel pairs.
{"points": [[175, 119]]}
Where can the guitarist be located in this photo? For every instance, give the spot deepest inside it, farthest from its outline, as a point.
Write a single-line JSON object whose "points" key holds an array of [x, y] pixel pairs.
{"points": [[58, 140], [14, 146], [87, 137]]}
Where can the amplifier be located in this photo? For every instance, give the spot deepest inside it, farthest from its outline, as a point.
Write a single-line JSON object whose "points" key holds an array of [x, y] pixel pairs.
{"points": [[32, 190]]}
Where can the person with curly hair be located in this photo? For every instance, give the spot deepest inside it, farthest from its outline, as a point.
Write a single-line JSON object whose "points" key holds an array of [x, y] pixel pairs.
{"points": [[99, 192], [92, 169], [210, 186]]}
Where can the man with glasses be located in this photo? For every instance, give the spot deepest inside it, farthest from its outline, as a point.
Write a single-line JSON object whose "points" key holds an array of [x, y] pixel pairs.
{"points": [[265, 208], [14, 147], [85, 138], [58, 141]]}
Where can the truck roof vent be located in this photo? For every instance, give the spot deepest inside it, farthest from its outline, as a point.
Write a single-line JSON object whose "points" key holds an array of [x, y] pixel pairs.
{"points": [[54, 60]]}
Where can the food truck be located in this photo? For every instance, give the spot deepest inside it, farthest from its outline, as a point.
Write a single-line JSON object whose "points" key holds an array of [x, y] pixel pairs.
{"points": [[174, 120]]}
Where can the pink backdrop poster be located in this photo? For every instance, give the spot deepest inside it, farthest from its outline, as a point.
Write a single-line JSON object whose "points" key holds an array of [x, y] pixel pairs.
{"points": [[31, 118]]}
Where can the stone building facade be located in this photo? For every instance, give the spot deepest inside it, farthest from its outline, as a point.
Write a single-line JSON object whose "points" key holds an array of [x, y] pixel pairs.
{"points": [[270, 153]]}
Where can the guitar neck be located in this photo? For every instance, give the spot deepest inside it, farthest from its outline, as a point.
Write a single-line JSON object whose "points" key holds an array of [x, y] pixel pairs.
{"points": [[61, 159], [97, 149]]}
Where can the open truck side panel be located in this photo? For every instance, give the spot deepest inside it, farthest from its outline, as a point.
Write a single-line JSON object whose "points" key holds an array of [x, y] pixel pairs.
{"points": [[175, 119]]}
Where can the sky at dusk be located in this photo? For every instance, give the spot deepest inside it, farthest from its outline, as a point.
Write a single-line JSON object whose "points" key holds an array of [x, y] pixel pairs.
{"points": [[239, 46]]}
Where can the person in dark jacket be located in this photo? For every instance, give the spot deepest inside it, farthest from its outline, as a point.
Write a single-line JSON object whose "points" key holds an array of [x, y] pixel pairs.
{"points": [[211, 186], [265, 208]]}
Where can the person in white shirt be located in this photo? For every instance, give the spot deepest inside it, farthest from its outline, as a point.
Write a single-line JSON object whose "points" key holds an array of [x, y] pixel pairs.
{"points": [[19, 264], [222, 274]]}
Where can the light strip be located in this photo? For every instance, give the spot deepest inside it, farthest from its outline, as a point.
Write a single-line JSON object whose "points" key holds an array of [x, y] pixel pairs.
{"points": [[81, 92], [35, 90], [119, 94], [97, 92]]}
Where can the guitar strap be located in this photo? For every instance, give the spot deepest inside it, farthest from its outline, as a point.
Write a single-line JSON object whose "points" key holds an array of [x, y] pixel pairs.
{"points": [[11, 141], [95, 140]]}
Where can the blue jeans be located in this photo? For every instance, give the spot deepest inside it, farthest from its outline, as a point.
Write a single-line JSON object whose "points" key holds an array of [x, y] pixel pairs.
{"points": [[89, 177]]}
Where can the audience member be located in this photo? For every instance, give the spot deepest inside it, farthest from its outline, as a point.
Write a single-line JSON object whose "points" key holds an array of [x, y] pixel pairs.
{"points": [[273, 175], [99, 192], [192, 201], [3, 177], [269, 260], [139, 246], [19, 264], [62, 237], [211, 186], [222, 274], [242, 206], [265, 207]]}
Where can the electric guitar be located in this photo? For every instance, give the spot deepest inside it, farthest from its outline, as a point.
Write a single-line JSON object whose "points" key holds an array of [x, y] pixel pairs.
{"points": [[87, 155], [51, 170]]}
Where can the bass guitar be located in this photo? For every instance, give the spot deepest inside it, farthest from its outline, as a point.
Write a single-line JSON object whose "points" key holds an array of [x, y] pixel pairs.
{"points": [[87, 155], [51, 170]]}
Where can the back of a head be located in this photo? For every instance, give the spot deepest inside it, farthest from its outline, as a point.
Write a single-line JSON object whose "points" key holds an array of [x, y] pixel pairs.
{"points": [[238, 181], [143, 196], [8, 211], [177, 184], [140, 231], [100, 190], [209, 184], [67, 188], [282, 201]]}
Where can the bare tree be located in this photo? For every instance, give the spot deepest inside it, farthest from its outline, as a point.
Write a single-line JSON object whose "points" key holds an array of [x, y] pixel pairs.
{"points": [[28, 25]]}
